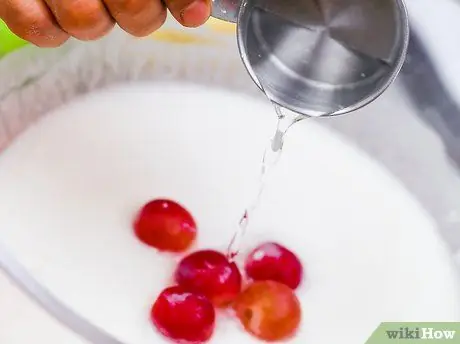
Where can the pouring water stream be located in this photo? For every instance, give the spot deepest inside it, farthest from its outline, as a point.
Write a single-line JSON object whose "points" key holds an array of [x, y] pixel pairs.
{"points": [[270, 158]]}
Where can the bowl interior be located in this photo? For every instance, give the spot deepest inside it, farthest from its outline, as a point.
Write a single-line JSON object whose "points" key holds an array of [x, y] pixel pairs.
{"points": [[72, 184]]}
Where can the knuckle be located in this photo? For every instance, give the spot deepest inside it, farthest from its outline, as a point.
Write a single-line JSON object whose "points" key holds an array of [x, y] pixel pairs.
{"points": [[78, 11], [129, 7], [178, 5], [138, 17], [135, 10], [145, 30], [27, 15], [39, 20], [84, 19], [34, 24]]}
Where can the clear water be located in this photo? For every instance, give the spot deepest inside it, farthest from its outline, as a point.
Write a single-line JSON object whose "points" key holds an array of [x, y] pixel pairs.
{"points": [[270, 158]]}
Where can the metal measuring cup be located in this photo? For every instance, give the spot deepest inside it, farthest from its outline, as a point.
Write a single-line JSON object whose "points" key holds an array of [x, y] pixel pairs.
{"points": [[320, 57]]}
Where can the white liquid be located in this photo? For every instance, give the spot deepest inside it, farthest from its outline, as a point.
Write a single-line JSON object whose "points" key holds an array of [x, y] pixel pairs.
{"points": [[71, 185]]}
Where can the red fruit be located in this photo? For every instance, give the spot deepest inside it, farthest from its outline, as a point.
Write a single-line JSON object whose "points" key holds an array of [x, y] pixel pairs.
{"points": [[271, 261], [183, 316], [268, 310], [210, 273], [165, 225]]}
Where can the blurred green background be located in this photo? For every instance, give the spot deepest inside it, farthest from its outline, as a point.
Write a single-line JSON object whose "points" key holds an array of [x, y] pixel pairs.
{"points": [[8, 41]]}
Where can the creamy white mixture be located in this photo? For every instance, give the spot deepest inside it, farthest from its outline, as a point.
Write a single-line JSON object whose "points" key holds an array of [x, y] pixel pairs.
{"points": [[71, 185]]}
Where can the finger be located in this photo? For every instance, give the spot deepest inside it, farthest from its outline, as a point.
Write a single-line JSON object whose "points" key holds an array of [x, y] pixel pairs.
{"points": [[138, 17], [32, 21], [83, 19], [190, 13]]}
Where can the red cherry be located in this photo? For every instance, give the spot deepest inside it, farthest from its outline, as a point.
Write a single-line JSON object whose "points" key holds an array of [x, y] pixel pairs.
{"points": [[183, 316], [268, 310], [210, 273], [271, 261], [165, 225]]}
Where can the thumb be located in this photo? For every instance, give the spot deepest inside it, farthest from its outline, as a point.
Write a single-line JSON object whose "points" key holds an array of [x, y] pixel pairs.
{"points": [[190, 13]]}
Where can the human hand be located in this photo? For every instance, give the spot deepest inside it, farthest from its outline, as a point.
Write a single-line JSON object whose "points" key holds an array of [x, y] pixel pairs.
{"points": [[49, 23]]}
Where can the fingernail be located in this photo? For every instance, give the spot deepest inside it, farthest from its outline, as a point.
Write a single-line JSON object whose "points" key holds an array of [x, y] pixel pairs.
{"points": [[196, 13]]}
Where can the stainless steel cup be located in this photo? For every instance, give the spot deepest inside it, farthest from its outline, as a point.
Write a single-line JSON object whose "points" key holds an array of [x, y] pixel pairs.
{"points": [[320, 57]]}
